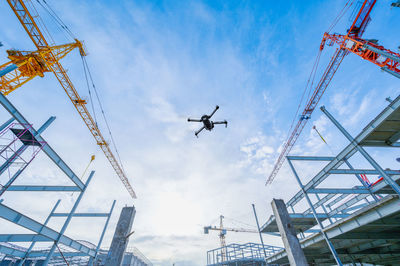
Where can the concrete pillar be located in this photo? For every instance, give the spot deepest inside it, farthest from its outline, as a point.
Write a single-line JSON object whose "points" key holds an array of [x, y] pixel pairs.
{"points": [[120, 239], [290, 241]]}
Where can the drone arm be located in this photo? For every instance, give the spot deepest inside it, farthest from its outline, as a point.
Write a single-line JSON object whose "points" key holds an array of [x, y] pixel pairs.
{"points": [[221, 122], [193, 120], [216, 108], [198, 131]]}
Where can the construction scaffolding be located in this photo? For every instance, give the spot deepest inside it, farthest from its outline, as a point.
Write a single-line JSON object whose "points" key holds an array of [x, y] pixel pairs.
{"points": [[342, 224]]}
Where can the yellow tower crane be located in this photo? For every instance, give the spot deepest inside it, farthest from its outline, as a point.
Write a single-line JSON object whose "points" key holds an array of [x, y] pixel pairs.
{"points": [[25, 65]]}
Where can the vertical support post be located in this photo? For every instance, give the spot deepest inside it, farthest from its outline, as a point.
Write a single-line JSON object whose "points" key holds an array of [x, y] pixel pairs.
{"points": [[259, 231], [291, 242], [66, 223], [330, 245], [120, 239], [363, 152], [21, 262], [91, 260]]}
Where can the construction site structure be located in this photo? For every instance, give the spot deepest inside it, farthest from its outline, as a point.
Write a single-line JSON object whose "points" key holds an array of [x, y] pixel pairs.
{"points": [[352, 42], [20, 143], [26, 65], [222, 232], [16, 155], [342, 224]]}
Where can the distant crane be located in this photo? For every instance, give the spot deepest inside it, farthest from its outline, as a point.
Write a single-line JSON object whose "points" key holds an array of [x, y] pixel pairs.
{"points": [[25, 65], [222, 232], [369, 50]]}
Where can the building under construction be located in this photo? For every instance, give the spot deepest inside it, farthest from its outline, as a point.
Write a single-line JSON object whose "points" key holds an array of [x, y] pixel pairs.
{"points": [[325, 224], [20, 145], [322, 224]]}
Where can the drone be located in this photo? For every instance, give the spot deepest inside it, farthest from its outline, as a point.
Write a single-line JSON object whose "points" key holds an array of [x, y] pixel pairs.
{"points": [[207, 123]]}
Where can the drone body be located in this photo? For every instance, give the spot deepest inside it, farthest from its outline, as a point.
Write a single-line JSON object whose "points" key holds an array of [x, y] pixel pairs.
{"points": [[207, 123]]}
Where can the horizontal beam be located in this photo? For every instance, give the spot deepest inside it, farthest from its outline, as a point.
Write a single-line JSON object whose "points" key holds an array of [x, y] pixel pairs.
{"points": [[11, 251], [80, 214], [15, 252], [348, 151], [44, 188], [361, 171], [23, 238], [310, 158], [373, 235], [338, 191], [28, 223]]}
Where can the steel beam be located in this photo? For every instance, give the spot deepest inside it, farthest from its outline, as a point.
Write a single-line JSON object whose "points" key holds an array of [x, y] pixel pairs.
{"points": [[44, 188], [66, 223], [46, 149], [364, 153], [310, 158], [338, 191], [7, 123], [34, 241], [23, 238], [30, 224], [348, 151], [325, 236], [86, 214]]}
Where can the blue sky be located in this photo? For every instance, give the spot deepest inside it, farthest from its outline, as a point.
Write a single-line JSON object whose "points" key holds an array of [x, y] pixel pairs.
{"points": [[157, 62]]}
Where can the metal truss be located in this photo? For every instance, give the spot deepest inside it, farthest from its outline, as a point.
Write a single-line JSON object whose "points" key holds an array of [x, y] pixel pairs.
{"points": [[14, 154], [240, 253], [352, 220]]}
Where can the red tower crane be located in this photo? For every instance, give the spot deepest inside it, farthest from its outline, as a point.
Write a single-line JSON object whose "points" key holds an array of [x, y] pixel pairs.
{"points": [[351, 42]]}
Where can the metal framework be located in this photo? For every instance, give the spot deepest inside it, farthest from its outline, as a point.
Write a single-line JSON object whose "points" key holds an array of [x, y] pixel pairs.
{"points": [[240, 254], [46, 58], [349, 224], [352, 42], [24, 137]]}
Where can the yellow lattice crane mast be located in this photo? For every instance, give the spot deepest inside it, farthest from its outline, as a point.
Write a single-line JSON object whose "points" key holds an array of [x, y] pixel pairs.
{"points": [[25, 65]]}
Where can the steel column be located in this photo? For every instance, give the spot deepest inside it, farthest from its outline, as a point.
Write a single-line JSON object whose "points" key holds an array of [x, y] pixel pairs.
{"points": [[104, 231], [259, 231], [33, 242], [66, 223], [330, 245]]}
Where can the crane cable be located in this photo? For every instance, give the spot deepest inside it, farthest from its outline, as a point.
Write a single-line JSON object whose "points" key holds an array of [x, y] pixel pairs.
{"points": [[102, 112], [40, 21], [56, 18], [309, 86], [341, 14], [88, 75]]}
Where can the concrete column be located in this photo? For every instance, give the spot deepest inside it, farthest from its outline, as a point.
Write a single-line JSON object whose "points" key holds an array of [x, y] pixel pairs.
{"points": [[290, 241], [120, 239]]}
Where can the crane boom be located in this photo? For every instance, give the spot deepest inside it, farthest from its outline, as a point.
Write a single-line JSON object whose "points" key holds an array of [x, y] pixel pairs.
{"points": [[30, 26], [356, 30], [306, 115]]}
